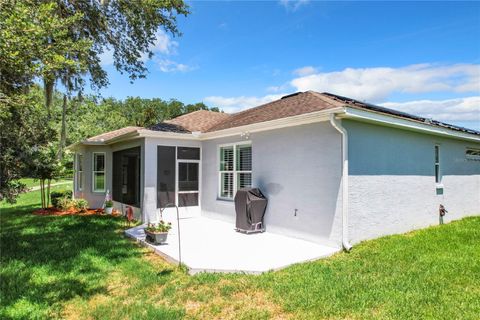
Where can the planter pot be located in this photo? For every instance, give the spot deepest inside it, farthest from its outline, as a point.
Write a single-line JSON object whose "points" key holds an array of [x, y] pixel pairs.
{"points": [[108, 210], [156, 237]]}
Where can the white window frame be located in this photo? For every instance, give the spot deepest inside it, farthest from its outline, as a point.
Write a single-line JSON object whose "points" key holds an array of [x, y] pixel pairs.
{"points": [[472, 157], [104, 172], [234, 171], [437, 164], [79, 172]]}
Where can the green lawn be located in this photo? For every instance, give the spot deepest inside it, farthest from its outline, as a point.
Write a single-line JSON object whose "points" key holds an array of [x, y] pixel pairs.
{"points": [[83, 267], [32, 183]]}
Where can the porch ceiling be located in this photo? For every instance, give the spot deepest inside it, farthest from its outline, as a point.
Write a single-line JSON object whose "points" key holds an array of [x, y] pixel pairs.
{"points": [[214, 246]]}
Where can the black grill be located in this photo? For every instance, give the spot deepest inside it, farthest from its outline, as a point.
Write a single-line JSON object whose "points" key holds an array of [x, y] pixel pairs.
{"points": [[250, 206]]}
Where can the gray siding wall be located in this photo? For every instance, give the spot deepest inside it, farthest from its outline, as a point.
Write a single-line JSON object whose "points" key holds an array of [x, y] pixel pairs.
{"points": [[392, 180], [296, 168]]}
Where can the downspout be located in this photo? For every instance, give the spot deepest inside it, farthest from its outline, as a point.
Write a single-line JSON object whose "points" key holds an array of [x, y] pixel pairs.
{"points": [[337, 125]]}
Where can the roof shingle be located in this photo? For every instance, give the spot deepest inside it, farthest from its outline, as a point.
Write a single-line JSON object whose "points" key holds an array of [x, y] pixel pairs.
{"points": [[288, 106], [201, 120], [112, 134]]}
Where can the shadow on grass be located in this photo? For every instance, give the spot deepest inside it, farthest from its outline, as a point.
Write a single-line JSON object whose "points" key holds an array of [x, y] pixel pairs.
{"points": [[48, 260]]}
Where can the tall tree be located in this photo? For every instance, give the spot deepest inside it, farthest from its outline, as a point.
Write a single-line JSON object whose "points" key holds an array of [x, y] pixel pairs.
{"points": [[62, 41], [127, 28], [23, 132]]}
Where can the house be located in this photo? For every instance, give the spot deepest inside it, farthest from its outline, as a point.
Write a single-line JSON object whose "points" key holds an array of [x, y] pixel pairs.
{"points": [[334, 170]]}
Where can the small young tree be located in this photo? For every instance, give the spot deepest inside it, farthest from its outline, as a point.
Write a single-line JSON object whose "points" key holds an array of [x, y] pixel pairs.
{"points": [[45, 167]]}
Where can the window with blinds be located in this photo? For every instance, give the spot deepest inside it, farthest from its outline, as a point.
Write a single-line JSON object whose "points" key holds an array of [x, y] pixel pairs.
{"points": [[235, 169], [79, 172], [438, 176], [98, 180], [472, 154]]}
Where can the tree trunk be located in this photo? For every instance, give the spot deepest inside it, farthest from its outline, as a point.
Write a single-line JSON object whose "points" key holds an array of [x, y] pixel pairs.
{"points": [[41, 197], [63, 131], [42, 192], [48, 192], [48, 85]]}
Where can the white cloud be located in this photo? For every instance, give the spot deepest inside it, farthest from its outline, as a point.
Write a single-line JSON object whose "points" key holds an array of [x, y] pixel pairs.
{"points": [[293, 5], [376, 84], [166, 65], [281, 88], [461, 109], [235, 104], [106, 58], [305, 71], [162, 46]]}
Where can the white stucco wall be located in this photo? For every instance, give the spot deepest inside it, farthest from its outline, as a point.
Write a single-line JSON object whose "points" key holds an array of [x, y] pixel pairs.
{"points": [[149, 208], [392, 183], [296, 168], [95, 199]]}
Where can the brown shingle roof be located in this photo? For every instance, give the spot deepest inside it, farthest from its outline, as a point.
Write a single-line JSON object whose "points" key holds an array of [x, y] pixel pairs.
{"points": [[291, 105], [288, 106], [113, 134], [201, 120]]}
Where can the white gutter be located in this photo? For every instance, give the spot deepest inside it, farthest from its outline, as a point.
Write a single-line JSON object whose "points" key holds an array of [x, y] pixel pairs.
{"points": [[337, 125]]}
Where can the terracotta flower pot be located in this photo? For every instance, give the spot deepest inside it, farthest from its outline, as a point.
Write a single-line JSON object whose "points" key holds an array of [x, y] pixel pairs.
{"points": [[156, 237]]}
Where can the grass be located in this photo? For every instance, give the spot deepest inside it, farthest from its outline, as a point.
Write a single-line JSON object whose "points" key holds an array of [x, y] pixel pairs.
{"points": [[81, 267], [32, 183]]}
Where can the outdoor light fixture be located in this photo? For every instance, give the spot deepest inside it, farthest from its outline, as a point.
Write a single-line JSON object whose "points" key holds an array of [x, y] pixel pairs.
{"points": [[245, 135]]}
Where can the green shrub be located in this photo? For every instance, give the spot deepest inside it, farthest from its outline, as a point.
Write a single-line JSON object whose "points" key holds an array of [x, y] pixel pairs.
{"points": [[80, 204], [57, 195], [64, 203]]}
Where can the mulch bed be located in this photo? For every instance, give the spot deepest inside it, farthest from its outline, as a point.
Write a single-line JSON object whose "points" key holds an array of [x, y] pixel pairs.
{"points": [[57, 212]]}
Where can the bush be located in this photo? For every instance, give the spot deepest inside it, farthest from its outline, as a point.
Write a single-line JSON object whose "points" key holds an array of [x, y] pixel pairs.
{"points": [[58, 195], [80, 204], [162, 226], [64, 203]]}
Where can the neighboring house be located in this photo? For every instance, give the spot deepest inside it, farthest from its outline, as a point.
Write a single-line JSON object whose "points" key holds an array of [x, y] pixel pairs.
{"points": [[333, 169]]}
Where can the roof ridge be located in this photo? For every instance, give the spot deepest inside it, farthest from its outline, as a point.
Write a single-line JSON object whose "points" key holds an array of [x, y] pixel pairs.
{"points": [[288, 105], [267, 103]]}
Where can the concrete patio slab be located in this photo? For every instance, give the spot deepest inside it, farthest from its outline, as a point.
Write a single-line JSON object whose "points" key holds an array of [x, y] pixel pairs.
{"points": [[209, 245]]}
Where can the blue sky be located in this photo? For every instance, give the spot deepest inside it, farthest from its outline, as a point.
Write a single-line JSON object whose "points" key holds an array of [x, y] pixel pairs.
{"points": [[420, 57]]}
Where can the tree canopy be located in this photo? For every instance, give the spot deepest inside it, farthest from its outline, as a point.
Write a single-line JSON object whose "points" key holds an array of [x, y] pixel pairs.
{"points": [[60, 41]]}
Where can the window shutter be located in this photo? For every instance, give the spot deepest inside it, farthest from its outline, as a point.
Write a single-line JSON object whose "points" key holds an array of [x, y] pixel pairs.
{"points": [[244, 158], [226, 185], [226, 158]]}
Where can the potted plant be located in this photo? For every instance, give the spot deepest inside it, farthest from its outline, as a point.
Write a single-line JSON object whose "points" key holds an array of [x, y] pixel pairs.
{"points": [[108, 206], [157, 233]]}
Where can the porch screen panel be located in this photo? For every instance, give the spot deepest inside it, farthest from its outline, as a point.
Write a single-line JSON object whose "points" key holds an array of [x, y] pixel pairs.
{"points": [[126, 176], [188, 176], [188, 199], [188, 153], [165, 176]]}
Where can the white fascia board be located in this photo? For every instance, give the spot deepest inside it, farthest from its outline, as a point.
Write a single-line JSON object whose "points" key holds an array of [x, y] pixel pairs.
{"points": [[394, 121], [85, 143], [167, 135], [297, 120]]}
